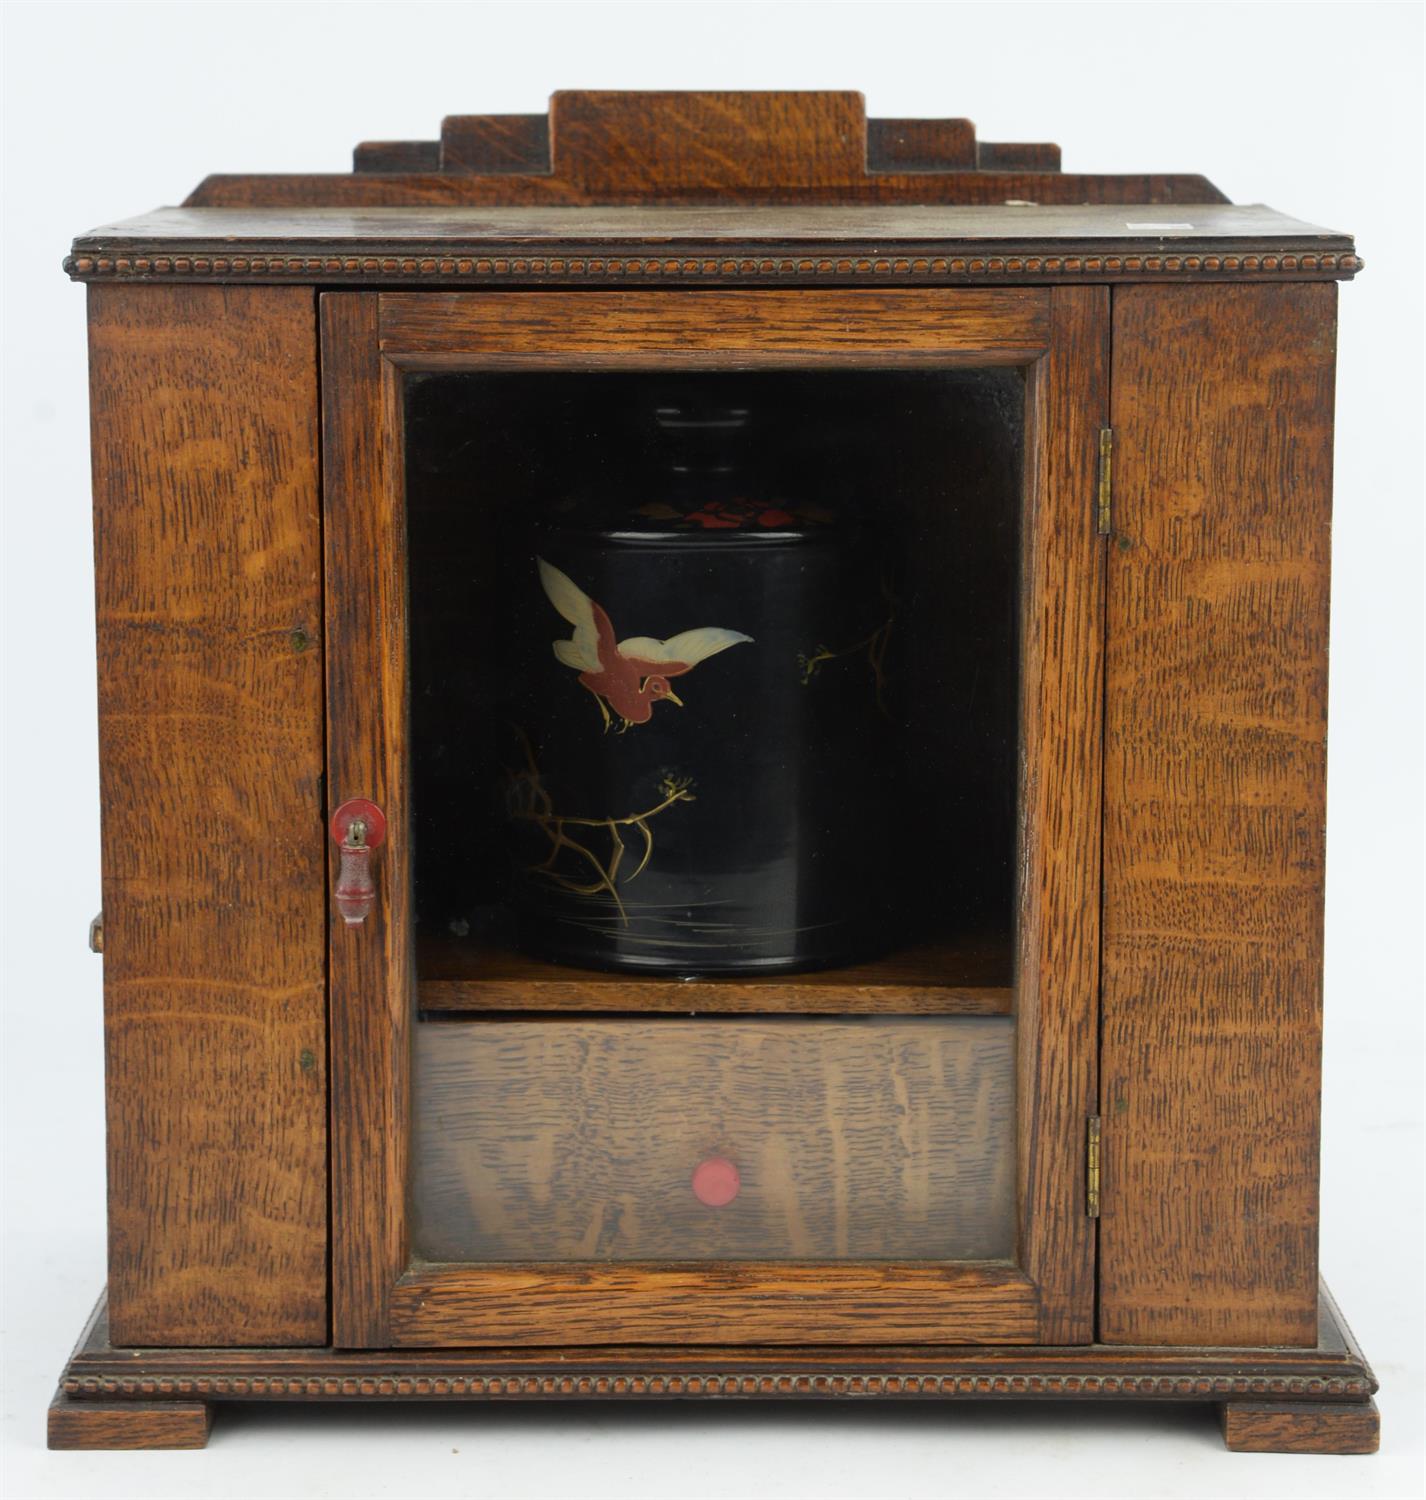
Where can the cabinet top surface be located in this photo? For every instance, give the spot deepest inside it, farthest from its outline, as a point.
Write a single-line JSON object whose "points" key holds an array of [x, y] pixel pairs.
{"points": [[791, 187], [1048, 224], [746, 242]]}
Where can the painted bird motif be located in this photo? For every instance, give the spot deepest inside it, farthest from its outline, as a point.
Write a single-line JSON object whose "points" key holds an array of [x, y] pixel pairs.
{"points": [[628, 676]]}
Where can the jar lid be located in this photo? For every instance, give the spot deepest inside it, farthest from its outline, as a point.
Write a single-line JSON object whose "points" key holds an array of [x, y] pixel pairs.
{"points": [[701, 470]]}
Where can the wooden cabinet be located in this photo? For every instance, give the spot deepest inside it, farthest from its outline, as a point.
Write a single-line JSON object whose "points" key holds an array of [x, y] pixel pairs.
{"points": [[1059, 1136]]}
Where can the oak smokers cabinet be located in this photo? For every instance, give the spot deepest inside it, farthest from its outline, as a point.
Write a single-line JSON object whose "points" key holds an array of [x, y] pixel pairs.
{"points": [[1053, 1133]]}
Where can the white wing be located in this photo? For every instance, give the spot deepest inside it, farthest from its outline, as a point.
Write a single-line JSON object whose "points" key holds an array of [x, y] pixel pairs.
{"points": [[582, 651], [690, 648]]}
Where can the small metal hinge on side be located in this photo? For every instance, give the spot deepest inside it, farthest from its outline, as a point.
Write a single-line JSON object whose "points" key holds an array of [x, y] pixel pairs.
{"points": [[1091, 1167], [1104, 502]]}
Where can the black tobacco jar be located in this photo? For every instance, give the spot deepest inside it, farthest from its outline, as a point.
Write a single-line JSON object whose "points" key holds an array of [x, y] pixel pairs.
{"points": [[702, 763]]}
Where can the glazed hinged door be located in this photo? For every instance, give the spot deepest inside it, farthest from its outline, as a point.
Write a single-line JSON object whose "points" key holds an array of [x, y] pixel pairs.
{"points": [[713, 768]]}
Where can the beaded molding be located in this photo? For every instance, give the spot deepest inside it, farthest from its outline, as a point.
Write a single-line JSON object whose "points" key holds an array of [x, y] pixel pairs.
{"points": [[579, 267], [1138, 1387]]}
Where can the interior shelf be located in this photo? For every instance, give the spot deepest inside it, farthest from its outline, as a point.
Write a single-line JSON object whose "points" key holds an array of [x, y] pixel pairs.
{"points": [[965, 976]]}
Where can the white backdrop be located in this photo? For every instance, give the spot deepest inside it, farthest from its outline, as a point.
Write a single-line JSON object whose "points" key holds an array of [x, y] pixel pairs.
{"points": [[114, 108]]}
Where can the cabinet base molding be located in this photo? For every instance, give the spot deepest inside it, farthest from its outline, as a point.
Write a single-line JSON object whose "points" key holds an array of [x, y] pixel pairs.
{"points": [[1311, 1400]]}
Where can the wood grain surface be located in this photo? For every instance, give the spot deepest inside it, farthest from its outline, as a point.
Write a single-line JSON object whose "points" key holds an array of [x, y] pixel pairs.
{"points": [[951, 977], [126, 1426], [994, 245], [1332, 1371], [646, 143], [672, 228], [1057, 972], [601, 146], [484, 143], [1001, 325], [1215, 765], [371, 967], [992, 188], [204, 404], [744, 1302], [938, 146], [1301, 1427], [575, 1140], [432, 246]]}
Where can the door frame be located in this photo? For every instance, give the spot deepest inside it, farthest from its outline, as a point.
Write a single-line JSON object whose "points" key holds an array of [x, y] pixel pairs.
{"points": [[1060, 336]]}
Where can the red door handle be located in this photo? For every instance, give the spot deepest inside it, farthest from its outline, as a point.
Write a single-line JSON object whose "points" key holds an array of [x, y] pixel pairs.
{"points": [[358, 827]]}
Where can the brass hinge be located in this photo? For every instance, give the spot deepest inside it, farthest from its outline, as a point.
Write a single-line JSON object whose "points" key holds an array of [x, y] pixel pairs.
{"points": [[1091, 1167], [1104, 504]]}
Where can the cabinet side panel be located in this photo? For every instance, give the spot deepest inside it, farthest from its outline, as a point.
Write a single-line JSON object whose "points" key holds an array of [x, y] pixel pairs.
{"points": [[1216, 683], [204, 403]]}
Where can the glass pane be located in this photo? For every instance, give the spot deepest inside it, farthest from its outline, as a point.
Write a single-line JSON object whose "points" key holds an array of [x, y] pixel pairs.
{"points": [[714, 1140], [714, 709], [833, 777]]}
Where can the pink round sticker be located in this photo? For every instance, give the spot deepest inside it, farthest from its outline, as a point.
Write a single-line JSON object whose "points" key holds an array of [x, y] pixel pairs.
{"points": [[716, 1181]]}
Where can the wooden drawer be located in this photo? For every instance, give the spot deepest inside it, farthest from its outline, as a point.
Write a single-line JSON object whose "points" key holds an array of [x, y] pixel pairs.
{"points": [[848, 1138]]}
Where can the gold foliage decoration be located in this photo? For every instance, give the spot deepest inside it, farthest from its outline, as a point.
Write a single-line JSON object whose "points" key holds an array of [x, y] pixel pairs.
{"points": [[586, 856]]}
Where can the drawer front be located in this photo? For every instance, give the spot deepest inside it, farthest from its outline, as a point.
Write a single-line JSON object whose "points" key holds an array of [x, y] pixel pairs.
{"points": [[688, 1139]]}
